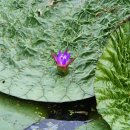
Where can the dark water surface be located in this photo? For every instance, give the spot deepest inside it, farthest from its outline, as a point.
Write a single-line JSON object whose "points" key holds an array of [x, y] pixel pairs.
{"points": [[62, 114], [67, 116]]}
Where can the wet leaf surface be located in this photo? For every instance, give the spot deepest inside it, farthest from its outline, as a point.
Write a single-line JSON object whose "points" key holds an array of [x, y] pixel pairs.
{"points": [[55, 125], [17, 114], [30, 30], [98, 124]]}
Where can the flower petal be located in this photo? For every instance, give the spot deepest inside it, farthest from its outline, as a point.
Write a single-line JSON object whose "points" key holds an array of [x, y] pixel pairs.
{"points": [[70, 61], [65, 52], [64, 61], [59, 54], [55, 57], [68, 56]]}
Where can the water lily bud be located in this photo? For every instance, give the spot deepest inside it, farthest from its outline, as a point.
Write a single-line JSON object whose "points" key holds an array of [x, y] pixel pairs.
{"points": [[62, 60]]}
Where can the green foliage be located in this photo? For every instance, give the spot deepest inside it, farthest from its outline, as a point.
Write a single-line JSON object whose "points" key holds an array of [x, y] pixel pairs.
{"points": [[112, 83], [30, 30], [98, 124], [17, 114]]}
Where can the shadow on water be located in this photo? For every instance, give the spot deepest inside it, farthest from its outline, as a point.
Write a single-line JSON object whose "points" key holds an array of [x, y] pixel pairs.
{"points": [[77, 110]]}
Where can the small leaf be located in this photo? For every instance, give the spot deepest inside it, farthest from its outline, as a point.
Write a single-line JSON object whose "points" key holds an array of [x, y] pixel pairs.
{"points": [[17, 114], [98, 124]]}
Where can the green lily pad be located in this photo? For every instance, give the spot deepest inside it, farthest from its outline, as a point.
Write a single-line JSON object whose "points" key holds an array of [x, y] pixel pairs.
{"points": [[98, 124], [112, 85], [30, 30], [18, 114], [27, 69]]}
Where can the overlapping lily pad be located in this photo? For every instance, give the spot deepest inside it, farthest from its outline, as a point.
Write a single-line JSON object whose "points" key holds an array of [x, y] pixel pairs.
{"points": [[47, 124], [98, 124], [51, 124], [30, 30], [17, 114], [112, 85]]}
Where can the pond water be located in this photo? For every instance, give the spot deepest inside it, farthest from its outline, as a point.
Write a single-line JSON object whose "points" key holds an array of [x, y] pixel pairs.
{"points": [[18, 113], [66, 115]]}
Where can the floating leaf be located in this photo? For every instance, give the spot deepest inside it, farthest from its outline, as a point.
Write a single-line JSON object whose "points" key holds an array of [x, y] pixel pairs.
{"points": [[51, 124], [30, 30], [98, 124], [18, 114], [112, 85]]}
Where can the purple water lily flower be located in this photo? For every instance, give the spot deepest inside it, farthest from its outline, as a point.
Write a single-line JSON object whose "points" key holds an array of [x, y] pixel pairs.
{"points": [[62, 60]]}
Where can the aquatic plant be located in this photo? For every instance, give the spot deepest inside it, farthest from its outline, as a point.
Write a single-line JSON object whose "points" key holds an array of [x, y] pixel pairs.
{"points": [[62, 60]]}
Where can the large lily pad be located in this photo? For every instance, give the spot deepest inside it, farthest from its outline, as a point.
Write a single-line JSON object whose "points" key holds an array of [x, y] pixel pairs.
{"points": [[30, 29], [112, 85]]}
